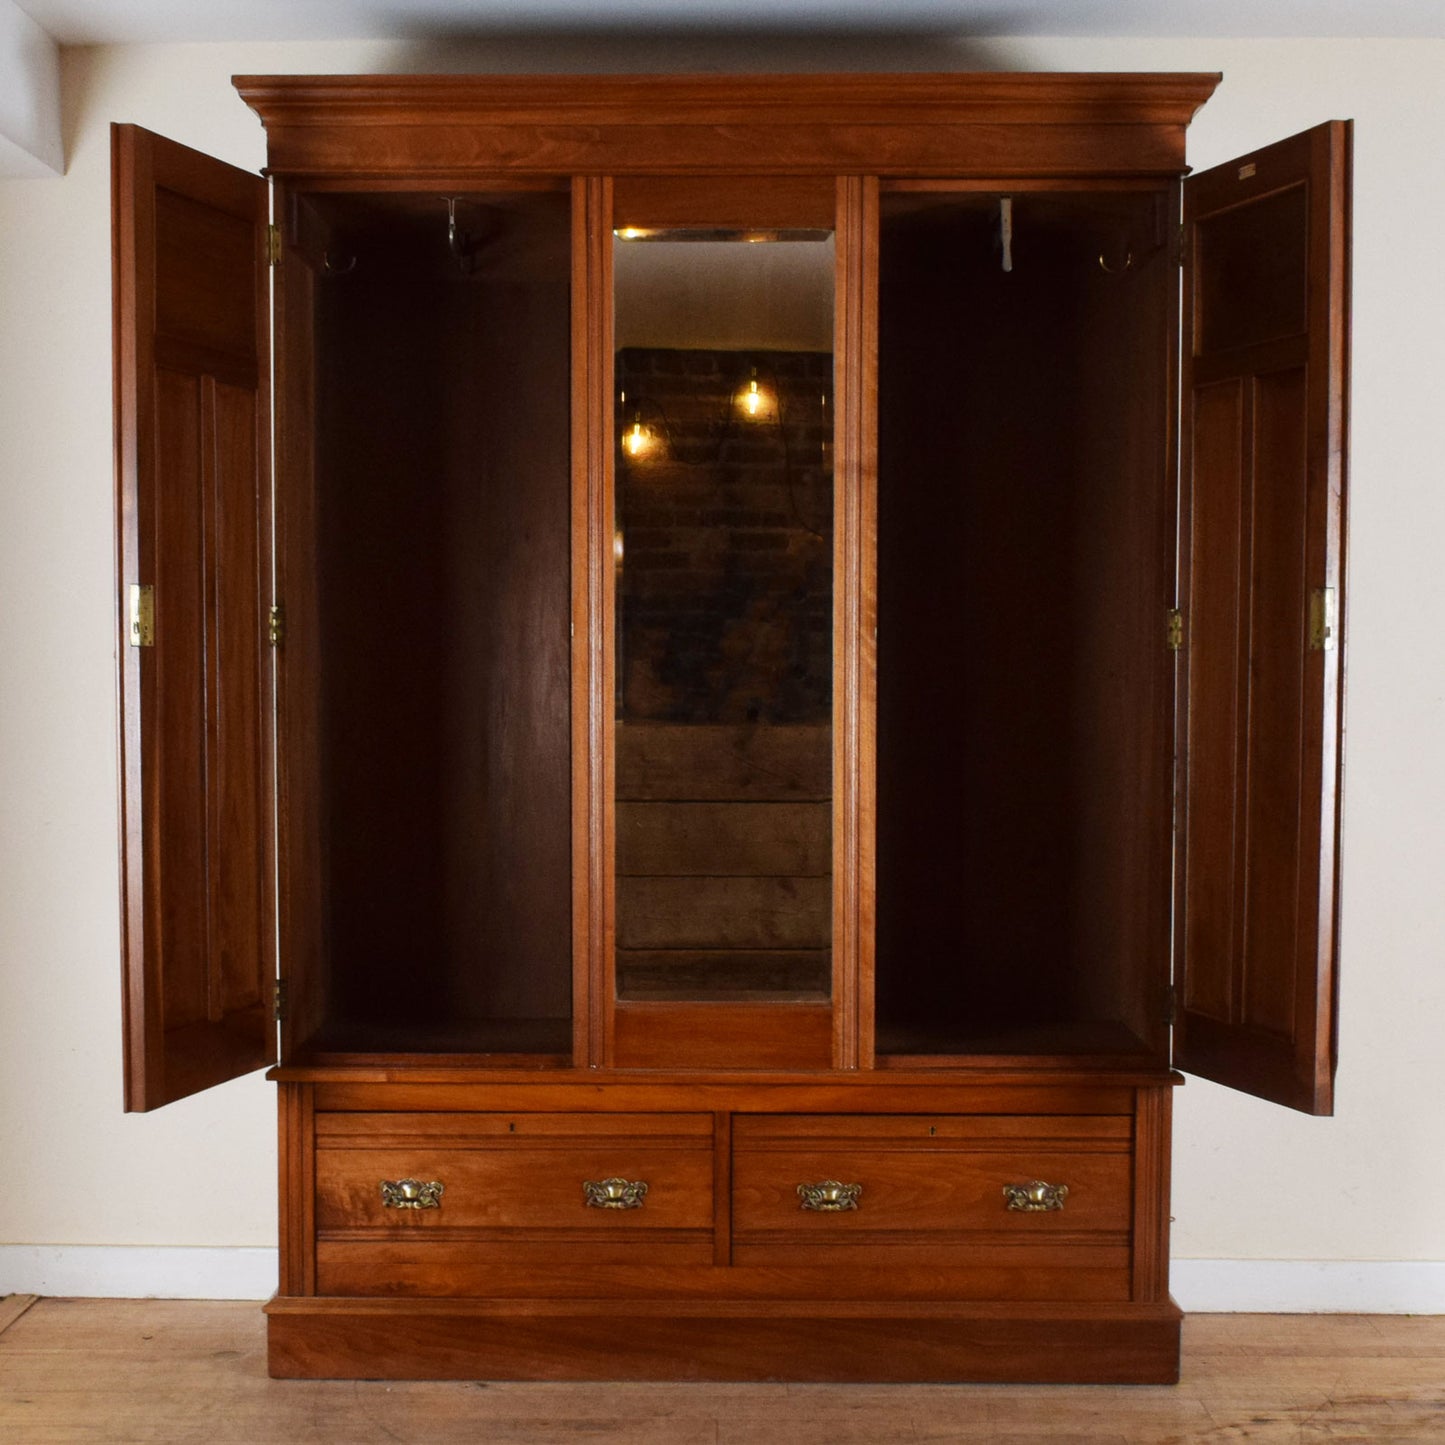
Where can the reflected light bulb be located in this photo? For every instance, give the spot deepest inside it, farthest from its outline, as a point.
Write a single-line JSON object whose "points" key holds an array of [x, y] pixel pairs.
{"points": [[636, 438], [752, 398]]}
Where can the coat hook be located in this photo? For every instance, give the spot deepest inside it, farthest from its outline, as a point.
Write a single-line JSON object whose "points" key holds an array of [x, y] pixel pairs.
{"points": [[333, 269], [461, 249], [1109, 270]]}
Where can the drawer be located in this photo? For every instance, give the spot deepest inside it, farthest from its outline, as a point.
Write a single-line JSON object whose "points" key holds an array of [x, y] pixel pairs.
{"points": [[520, 1177], [930, 1181]]}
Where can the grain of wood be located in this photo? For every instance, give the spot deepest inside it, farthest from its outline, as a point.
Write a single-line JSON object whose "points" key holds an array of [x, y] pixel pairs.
{"points": [[122, 1371], [12, 1306]]}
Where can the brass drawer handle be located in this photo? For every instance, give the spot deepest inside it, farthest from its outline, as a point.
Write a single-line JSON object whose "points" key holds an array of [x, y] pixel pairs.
{"points": [[411, 1194], [614, 1193], [829, 1197], [1035, 1197]]}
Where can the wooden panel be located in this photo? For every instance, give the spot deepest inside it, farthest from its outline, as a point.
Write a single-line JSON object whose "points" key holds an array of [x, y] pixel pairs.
{"points": [[932, 1132], [387, 1086], [192, 455], [1264, 433], [1248, 288], [456, 1130], [1096, 1343], [1215, 606], [296, 1157], [716, 1035], [1151, 1195], [663, 1265], [748, 201]]}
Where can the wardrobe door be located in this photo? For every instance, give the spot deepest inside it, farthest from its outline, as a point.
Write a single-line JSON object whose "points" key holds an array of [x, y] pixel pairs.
{"points": [[192, 491], [1266, 333]]}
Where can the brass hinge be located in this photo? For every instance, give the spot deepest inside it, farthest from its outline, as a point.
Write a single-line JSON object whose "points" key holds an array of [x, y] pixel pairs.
{"points": [[1322, 619], [1174, 629], [276, 625], [279, 1000], [142, 615], [273, 245], [1183, 241], [1171, 1005]]}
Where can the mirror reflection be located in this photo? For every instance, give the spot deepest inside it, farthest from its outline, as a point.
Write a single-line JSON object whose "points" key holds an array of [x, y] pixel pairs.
{"points": [[723, 551]]}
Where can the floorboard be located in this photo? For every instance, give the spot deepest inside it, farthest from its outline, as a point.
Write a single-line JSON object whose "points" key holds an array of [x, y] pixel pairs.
{"points": [[122, 1371]]}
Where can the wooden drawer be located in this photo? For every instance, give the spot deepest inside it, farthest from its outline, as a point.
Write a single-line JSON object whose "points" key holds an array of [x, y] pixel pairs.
{"points": [[930, 1186], [512, 1191]]}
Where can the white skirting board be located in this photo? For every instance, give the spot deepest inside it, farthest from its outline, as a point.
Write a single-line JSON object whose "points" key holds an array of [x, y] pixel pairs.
{"points": [[1251, 1286], [105, 1271], [1309, 1286]]}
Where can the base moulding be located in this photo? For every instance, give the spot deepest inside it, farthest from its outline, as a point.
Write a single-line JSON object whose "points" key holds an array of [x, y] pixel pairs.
{"points": [[320, 1338]]}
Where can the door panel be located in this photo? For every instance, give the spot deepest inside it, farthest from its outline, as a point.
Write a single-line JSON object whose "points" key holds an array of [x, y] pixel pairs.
{"points": [[192, 481], [1263, 431]]}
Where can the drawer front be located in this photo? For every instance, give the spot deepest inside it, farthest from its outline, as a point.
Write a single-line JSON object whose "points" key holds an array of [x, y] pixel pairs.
{"points": [[932, 1179], [513, 1176]]}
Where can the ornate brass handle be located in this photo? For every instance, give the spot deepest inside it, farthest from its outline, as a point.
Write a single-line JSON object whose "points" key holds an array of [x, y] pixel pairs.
{"points": [[829, 1197], [614, 1193], [411, 1194], [1035, 1197]]}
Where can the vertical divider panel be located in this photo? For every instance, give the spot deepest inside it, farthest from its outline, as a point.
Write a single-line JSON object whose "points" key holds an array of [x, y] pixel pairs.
{"points": [[593, 847], [855, 525], [297, 1154], [1153, 1107], [297, 662]]}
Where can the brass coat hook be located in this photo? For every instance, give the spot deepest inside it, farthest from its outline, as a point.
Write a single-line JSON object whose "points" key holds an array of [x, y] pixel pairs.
{"points": [[463, 248]]}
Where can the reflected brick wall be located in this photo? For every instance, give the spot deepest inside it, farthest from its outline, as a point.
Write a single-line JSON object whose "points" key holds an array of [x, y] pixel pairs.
{"points": [[725, 593]]}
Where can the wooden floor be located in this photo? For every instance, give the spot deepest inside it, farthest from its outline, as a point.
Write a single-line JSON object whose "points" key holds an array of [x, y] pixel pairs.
{"points": [[177, 1371]]}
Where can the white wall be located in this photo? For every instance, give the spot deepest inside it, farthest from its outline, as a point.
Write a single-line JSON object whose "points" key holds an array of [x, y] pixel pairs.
{"points": [[1252, 1183], [29, 97]]}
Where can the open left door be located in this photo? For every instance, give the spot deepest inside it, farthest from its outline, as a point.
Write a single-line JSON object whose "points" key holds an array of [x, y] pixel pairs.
{"points": [[1265, 375], [193, 498]]}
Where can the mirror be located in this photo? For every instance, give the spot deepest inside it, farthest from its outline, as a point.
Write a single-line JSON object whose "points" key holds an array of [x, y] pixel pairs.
{"points": [[724, 625]]}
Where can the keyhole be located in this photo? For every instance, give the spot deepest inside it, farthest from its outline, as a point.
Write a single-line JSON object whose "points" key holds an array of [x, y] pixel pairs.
{"points": [[511, 1128], [932, 1130]]}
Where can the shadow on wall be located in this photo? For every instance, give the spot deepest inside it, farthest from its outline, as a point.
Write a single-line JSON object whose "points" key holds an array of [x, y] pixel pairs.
{"points": [[709, 48]]}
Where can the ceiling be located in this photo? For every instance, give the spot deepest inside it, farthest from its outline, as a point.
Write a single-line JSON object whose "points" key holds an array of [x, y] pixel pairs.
{"points": [[86, 22]]}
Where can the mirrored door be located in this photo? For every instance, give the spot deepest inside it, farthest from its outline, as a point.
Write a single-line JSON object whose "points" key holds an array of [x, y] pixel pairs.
{"points": [[723, 626]]}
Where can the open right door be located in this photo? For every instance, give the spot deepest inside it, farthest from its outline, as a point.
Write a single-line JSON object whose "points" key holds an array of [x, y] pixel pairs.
{"points": [[1265, 382]]}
